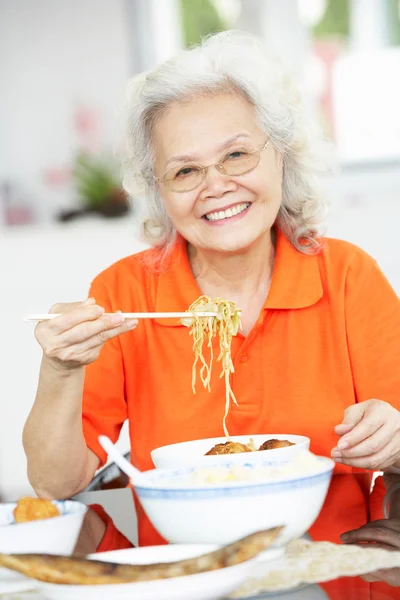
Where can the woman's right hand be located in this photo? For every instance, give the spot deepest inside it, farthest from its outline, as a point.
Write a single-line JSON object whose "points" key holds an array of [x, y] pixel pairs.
{"points": [[76, 336]]}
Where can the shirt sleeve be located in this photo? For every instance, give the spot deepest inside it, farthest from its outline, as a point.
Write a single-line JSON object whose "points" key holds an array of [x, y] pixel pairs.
{"points": [[104, 408], [373, 333]]}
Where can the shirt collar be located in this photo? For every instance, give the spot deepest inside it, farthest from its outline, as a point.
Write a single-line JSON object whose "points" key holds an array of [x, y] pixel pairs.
{"points": [[296, 280]]}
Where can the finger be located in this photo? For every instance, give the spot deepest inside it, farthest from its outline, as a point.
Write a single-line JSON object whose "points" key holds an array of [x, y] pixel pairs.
{"points": [[371, 577], [343, 428], [374, 462], [363, 430], [79, 315], [372, 445], [389, 576], [109, 334], [353, 415], [377, 462], [376, 534], [393, 524], [89, 301], [89, 329], [105, 336], [64, 307], [86, 351]]}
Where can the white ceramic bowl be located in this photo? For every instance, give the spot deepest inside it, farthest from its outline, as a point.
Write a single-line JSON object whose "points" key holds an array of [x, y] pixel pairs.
{"points": [[191, 454], [57, 535], [220, 513], [204, 586]]}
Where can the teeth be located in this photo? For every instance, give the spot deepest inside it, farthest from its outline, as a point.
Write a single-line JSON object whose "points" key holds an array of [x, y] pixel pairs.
{"points": [[226, 214]]}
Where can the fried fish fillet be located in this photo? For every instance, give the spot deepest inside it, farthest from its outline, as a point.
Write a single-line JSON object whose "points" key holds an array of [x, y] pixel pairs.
{"points": [[81, 571]]}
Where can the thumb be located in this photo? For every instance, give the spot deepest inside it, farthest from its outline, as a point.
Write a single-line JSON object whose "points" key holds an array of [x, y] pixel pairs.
{"points": [[352, 416]]}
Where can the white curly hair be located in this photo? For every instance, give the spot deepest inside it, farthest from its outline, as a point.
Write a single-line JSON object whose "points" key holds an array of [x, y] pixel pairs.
{"points": [[230, 62]]}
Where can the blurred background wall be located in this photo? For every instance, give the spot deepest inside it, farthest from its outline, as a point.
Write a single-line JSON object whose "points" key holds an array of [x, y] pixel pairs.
{"points": [[63, 217]]}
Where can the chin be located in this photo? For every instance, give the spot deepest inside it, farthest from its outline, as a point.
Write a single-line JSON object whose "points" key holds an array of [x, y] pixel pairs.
{"points": [[233, 245]]}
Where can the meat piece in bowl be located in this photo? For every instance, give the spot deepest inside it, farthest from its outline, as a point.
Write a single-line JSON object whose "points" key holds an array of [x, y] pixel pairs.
{"points": [[273, 444], [228, 448]]}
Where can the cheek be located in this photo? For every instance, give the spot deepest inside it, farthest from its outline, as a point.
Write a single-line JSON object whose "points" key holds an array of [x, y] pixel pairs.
{"points": [[179, 206], [273, 185], [269, 190]]}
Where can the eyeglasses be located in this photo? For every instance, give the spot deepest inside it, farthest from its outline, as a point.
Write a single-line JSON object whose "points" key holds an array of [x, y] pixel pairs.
{"points": [[189, 177]]}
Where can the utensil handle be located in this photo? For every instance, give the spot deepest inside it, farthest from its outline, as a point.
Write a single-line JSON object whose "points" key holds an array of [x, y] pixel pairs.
{"points": [[133, 473], [139, 315]]}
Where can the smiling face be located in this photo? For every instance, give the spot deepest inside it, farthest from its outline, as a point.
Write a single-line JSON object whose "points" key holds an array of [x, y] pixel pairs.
{"points": [[224, 213]]}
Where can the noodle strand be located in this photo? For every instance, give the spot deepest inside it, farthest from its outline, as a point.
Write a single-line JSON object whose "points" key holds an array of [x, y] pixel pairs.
{"points": [[224, 326]]}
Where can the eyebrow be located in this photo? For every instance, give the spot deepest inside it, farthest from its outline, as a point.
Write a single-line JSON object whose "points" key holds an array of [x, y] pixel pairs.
{"points": [[189, 158]]}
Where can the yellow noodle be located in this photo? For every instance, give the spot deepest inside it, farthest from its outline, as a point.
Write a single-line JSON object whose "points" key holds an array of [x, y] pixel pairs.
{"points": [[203, 329]]}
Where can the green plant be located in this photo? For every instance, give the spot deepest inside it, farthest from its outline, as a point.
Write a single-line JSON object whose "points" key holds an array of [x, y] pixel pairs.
{"points": [[335, 21], [200, 18], [95, 180]]}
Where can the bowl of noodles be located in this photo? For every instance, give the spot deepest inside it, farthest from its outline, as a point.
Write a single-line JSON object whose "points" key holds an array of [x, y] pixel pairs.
{"points": [[261, 448], [212, 323], [219, 504]]}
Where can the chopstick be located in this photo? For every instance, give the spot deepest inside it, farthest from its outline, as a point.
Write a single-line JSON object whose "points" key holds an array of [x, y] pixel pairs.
{"points": [[140, 315]]}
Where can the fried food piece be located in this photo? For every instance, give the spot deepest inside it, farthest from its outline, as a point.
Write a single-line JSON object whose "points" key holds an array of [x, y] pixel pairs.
{"points": [[81, 571], [228, 448], [273, 444], [34, 509]]}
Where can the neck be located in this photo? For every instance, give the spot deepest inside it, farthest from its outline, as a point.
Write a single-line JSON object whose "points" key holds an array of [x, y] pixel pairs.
{"points": [[235, 276]]}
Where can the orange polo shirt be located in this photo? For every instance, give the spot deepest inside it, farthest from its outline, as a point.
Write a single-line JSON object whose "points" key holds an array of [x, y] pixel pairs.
{"points": [[327, 337]]}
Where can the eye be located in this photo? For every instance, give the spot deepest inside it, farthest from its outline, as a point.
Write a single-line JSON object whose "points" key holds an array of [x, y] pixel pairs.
{"points": [[185, 172], [236, 154]]}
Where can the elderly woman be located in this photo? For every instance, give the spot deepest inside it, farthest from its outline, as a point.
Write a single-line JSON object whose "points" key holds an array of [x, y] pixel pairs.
{"points": [[230, 164]]}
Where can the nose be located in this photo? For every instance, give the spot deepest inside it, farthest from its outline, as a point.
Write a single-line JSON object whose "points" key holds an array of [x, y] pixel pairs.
{"points": [[217, 183]]}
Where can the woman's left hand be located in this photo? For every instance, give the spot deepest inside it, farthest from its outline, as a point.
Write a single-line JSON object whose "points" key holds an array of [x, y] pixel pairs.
{"points": [[383, 534], [370, 436]]}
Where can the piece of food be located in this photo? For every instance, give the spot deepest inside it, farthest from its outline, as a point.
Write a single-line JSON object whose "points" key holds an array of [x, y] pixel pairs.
{"points": [[273, 444], [236, 447], [34, 509], [225, 325], [81, 571], [228, 448]]}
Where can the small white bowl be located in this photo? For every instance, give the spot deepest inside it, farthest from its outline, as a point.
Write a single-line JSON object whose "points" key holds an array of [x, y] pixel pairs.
{"points": [[191, 454], [57, 535], [220, 513]]}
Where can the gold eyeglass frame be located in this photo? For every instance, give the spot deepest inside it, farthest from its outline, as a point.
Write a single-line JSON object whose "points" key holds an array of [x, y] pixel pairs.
{"points": [[218, 165]]}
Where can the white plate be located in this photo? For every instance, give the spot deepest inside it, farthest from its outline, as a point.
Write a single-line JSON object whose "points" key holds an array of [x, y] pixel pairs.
{"points": [[12, 582], [203, 586]]}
